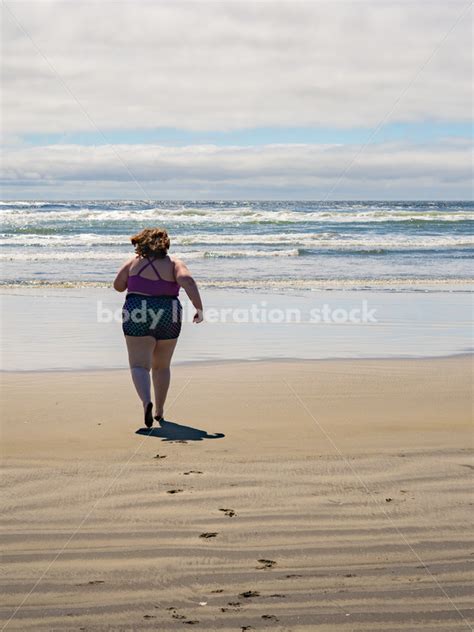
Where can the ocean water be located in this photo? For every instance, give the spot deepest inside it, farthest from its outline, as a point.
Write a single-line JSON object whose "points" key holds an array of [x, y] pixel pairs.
{"points": [[411, 261], [247, 245]]}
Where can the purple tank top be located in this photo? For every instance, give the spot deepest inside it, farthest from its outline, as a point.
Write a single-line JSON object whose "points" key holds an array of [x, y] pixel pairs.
{"points": [[153, 287]]}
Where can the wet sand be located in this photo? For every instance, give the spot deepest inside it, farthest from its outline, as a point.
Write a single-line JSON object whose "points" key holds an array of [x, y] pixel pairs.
{"points": [[44, 322], [291, 496]]}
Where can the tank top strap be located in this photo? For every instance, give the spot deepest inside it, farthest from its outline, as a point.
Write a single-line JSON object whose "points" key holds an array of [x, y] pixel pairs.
{"points": [[142, 268], [150, 262]]}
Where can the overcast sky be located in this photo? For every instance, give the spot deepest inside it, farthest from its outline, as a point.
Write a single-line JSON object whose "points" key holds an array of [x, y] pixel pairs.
{"points": [[212, 100]]}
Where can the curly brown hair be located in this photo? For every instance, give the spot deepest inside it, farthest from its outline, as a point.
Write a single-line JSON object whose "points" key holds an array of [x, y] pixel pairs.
{"points": [[151, 242]]}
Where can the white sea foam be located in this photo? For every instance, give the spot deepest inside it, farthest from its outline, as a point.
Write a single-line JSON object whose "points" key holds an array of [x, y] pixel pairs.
{"points": [[407, 283], [101, 255], [191, 216], [323, 240]]}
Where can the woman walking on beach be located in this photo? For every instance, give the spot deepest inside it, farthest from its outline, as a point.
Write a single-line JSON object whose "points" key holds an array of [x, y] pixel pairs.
{"points": [[151, 316]]}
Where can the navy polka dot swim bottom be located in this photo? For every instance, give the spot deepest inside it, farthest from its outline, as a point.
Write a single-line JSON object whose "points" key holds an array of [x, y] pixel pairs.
{"points": [[157, 316]]}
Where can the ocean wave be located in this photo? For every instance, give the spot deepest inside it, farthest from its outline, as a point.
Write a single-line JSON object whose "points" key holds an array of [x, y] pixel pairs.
{"points": [[321, 240], [120, 255], [23, 204], [238, 254], [395, 284], [194, 216], [63, 256]]}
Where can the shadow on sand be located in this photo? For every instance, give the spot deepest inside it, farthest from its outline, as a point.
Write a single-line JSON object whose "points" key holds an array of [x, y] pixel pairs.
{"points": [[170, 431]]}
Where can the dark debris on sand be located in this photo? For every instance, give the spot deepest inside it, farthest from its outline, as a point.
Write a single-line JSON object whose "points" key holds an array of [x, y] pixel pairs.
{"points": [[209, 534], [250, 593], [228, 512], [266, 564]]}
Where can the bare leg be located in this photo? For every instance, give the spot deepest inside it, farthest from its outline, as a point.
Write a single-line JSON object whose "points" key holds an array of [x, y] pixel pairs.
{"points": [[140, 354], [161, 371]]}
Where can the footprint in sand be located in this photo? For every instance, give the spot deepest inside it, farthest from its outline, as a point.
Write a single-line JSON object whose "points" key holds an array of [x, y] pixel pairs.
{"points": [[232, 609], [250, 593], [228, 512], [209, 534], [174, 491], [175, 615], [266, 564]]}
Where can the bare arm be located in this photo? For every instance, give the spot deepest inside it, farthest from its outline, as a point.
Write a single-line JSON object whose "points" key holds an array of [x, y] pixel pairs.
{"points": [[186, 281], [120, 283]]}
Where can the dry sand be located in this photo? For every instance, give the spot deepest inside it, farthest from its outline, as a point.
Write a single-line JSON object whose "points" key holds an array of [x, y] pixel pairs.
{"points": [[349, 479]]}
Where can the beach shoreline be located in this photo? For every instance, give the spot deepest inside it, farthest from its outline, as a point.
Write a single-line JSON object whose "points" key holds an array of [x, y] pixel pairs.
{"points": [[242, 363]]}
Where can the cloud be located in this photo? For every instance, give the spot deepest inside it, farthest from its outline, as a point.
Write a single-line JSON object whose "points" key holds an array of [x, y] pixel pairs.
{"points": [[231, 65], [272, 171]]}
